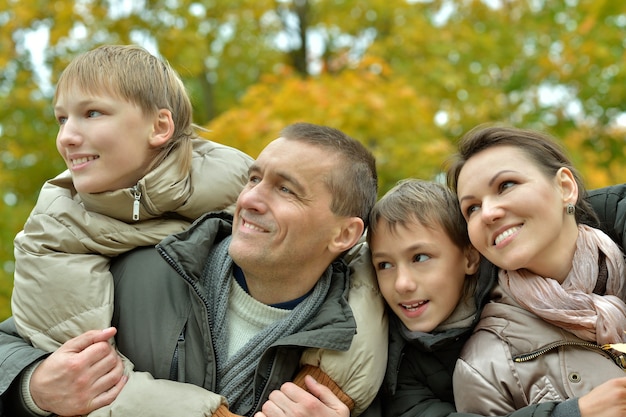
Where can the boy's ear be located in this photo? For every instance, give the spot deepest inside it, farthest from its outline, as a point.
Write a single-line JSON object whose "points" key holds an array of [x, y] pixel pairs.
{"points": [[348, 234], [472, 260], [163, 128]]}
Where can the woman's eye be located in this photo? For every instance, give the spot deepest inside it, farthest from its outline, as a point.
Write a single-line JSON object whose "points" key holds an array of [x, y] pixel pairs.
{"points": [[506, 184], [471, 209]]}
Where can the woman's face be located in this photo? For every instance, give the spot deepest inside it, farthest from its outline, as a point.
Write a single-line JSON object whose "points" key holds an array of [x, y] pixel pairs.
{"points": [[515, 214]]}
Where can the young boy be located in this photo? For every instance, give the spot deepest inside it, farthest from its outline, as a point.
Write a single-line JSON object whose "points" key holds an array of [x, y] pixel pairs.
{"points": [[426, 269], [136, 173]]}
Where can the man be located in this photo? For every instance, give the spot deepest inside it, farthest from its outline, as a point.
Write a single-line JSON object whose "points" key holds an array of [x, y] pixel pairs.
{"points": [[237, 309]]}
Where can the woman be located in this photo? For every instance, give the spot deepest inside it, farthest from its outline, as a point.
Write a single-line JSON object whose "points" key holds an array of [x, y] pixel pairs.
{"points": [[561, 291]]}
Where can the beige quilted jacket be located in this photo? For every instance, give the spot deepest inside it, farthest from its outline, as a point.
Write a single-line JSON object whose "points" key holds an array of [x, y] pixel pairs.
{"points": [[62, 284]]}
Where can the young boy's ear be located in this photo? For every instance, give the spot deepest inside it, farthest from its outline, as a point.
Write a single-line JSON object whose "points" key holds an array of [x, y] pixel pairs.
{"points": [[163, 128], [472, 260]]}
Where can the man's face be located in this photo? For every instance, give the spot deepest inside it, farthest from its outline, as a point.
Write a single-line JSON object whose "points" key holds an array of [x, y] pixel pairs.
{"points": [[283, 224]]}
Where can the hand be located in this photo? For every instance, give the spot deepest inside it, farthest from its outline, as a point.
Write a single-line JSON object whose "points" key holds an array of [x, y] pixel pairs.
{"points": [[293, 401], [606, 400], [84, 374]]}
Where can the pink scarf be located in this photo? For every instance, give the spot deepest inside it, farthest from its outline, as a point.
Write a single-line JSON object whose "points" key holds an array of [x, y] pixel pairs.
{"points": [[572, 305]]}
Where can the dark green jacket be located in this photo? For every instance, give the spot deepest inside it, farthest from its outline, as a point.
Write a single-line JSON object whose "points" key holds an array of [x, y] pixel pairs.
{"points": [[418, 381], [162, 318], [161, 315]]}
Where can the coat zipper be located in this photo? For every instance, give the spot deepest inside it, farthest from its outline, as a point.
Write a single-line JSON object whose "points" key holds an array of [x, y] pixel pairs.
{"points": [[266, 377], [137, 196], [194, 286], [174, 374], [620, 360]]}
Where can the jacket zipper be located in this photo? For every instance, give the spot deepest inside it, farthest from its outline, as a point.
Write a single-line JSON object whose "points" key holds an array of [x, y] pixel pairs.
{"points": [[194, 286], [266, 377], [620, 360], [137, 196], [174, 367]]}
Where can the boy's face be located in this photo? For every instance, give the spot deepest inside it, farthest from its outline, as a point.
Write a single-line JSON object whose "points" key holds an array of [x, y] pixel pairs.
{"points": [[106, 142], [421, 272]]}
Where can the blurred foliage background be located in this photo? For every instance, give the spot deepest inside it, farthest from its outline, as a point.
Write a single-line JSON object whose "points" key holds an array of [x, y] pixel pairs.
{"points": [[405, 77]]}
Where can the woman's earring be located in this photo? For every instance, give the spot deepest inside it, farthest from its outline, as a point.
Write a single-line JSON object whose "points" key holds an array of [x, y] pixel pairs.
{"points": [[570, 208]]}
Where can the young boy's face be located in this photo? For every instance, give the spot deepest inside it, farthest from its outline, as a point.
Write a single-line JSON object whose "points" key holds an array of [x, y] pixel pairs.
{"points": [[105, 141], [420, 273]]}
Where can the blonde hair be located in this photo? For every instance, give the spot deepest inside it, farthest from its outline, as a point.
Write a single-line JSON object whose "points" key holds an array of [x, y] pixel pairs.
{"points": [[131, 73]]}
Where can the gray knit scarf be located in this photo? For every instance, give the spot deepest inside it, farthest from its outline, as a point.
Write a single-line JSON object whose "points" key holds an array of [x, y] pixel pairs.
{"points": [[235, 375]]}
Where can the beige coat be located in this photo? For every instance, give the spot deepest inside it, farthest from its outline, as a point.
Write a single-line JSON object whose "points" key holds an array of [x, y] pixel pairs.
{"points": [[514, 358], [62, 284]]}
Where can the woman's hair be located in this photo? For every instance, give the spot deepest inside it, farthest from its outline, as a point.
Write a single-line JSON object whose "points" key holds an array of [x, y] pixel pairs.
{"points": [[541, 148], [131, 73], [353, 182]]}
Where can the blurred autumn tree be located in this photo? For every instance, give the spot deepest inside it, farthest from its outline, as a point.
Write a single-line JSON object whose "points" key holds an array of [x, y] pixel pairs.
{"points": [[405, 77]]}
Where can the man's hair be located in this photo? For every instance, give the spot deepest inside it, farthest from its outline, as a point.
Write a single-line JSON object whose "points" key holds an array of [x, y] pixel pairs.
{"points": [[353, 182], [540, 148], [427, 202], [131, 73]]}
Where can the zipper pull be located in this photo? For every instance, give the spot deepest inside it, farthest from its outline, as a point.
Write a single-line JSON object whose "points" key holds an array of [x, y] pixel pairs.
{"points": [[620, 359], [137, 195]]}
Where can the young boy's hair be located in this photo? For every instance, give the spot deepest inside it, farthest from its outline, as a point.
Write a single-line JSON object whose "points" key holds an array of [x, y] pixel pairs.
{"points": [[426, 202], [131, 73]]}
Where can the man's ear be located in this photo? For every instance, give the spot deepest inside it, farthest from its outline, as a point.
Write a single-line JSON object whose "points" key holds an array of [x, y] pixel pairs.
{"points": [[569, 187], [163, 128], [472, 260], [348, 233]]}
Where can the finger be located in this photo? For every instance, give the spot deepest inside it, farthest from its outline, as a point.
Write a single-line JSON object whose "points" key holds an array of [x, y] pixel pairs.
{"points": [[271, 408], [290, 392], [322, 392], [108, 396], [100, 353], [106, 373], [83, 341], [279, 401]]}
